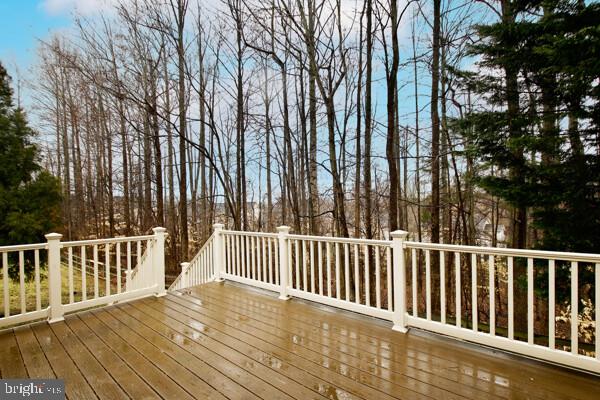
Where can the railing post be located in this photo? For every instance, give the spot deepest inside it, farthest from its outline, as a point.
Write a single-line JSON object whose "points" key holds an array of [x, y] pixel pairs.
{"points": [[185, 279], [283, 232], [218, 252], [55, 311], [399, 265], [159, 260]]}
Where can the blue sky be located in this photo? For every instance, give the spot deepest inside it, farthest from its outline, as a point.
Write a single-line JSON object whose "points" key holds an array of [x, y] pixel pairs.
{"points": [[22, 23]]}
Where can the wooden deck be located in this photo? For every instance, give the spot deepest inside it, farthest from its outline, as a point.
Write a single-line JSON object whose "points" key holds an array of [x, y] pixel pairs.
{"points": [[226, 341]]}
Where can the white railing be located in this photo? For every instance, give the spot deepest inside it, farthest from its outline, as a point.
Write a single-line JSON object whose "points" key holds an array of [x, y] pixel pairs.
{"points": [[142, 275], [48, 280], [251, 258], [23, 297], [474, 277], [400, 281], [198, 271], [353, 274]]}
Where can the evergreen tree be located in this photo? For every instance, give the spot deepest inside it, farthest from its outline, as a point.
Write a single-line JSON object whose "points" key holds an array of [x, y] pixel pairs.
{"points": [[540, 120], [29, 196], [568, 210]]}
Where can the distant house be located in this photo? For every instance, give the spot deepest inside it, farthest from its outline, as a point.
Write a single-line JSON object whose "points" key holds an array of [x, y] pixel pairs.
{"points": [[485, 232]]}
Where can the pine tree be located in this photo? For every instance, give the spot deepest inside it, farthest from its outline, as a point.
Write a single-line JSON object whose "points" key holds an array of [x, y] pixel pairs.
{"points": [[539, 127], [29, 196], [540, 121], [567, 59]]}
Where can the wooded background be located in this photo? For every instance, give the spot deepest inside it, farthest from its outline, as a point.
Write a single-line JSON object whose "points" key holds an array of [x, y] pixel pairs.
{"points": [[471, 122]]}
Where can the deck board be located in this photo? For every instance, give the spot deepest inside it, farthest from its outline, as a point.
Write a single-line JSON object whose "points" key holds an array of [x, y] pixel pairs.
{"points": [[231, 363], [152, 366], [226, 341], [35, 361], [247, 344], [61, 363], [366, 356], [129, 381], [204, 371], [319, 347], [102, 382], [12, 365], [377, 341], [363, 385]]}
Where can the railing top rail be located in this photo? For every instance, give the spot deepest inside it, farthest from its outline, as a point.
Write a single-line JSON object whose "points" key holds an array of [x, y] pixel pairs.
{"points": [[372, 242], [204, 246], [23, 247], [121, 239], [244, 233], [191, 263], [508, 252]]}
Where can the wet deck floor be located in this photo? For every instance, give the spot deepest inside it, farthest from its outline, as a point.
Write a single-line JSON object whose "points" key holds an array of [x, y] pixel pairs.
{"points": [[226, 341]]}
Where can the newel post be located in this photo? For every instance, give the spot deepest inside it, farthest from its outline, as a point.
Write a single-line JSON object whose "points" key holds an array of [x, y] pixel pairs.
{"points": [[158, 260], [55, 311], [218, 252], [282, 233], [399, 265], [185, 278]]}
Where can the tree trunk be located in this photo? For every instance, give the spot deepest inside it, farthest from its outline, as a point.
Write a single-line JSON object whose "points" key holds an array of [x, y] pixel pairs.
{"points": [[358, 131], [435, 126], [368, 122], [392, 81], [417, 138], [183, 212]]}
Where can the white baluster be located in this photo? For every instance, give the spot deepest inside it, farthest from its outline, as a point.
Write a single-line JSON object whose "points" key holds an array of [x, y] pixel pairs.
{"points": [[415, 305], [70, 272], [6, 282], [347, 271], [457, 290], [428, 284], [320, 255], [492, 286], [312, 266], [474, 292], [328, 264], [442, 287], [38, 294], [575, 307], [377, 277], [337, 271], [552, 304], [367, 277], [530, 304], [22, 282], [83, 274], [511, 299]]}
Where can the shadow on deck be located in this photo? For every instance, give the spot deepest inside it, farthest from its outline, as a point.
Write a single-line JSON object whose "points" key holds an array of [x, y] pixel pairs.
{"points": [[221, 340]]}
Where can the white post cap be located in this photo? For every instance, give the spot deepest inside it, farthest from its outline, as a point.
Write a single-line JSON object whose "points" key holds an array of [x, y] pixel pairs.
{"points": [[283, 229], [399, 234]]}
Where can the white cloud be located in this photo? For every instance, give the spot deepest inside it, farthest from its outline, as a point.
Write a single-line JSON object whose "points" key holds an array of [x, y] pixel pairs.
{"points": [[83, 7]]}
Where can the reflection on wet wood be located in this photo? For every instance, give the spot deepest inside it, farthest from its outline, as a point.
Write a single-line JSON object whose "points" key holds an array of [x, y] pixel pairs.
{"points": [[225, 341]]}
